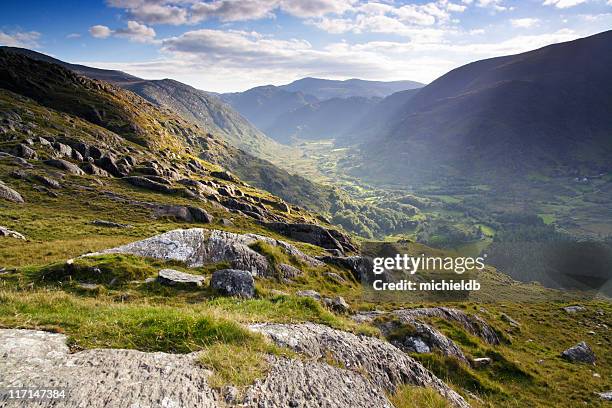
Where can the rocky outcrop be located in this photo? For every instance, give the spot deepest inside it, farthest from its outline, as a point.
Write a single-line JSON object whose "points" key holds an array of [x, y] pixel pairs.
{"points": [[306, 384], [101, 378], [9, 194], [233, 282], [314, 234], [361, 266], [181, 213], [197, 247], [383, 364], [5, 232], [65, 166], [171, 277], [145, 183], [580, 353]]}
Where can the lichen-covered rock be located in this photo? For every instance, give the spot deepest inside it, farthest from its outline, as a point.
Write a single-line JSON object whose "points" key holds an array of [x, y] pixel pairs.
{"points": [[233, 282], [171, 277], [384, 364], [101, 378], [5, 232], [9, 194], [197, 247], [580, 353], [305, 384], [288, 271]]}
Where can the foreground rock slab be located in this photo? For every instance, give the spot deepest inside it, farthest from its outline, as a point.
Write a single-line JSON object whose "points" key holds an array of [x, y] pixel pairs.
{"points": [[102, 377], [384, 364], [171, 277]]}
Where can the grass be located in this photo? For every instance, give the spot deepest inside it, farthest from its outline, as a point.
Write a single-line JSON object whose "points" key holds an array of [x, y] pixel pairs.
{"points": [[409, 396]]}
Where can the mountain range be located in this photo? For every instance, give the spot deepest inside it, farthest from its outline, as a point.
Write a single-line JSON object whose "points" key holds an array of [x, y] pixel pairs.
{"points": [[547, 111]]}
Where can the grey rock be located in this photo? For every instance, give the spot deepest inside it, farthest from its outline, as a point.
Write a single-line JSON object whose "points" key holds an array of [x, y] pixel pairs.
{"points": [[19, 174], [66, 166], [25, 152], [233, 282], [335, 277], [94, 170], [110, 224], [574, 309], [101, 378], [289, 271], [481, 361], [48, 181], [384, 364], [108, 162], [337, 304], [309, 293], [147, 184], [62, 149], [360, 266], [509, 320], [417, 345], [580, 353], [9, 194], [181, 213], [197, 247], [306, 384], [171, 277], [5, 232], [77, 155], [87, 286], [44, 142], [606, 396], [315, 234], [226, 223], [224, 175]]}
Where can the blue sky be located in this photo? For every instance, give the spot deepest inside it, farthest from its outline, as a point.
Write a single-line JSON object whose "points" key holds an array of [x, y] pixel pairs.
{"points": [[228, 45]]}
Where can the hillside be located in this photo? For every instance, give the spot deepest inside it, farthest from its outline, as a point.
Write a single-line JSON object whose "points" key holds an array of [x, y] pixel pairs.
{"points": [[327, 88], [542, 112]]}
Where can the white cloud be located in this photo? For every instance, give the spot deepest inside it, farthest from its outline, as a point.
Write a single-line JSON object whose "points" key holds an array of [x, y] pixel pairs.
{"points": [[73, 35], [24, 39], [562, 4], [524, 22], [100, 31], [134, 31]]}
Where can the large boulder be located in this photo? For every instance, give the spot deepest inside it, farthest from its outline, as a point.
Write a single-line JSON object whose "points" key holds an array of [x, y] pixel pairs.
{"points": [[315, 234], [66, 166], [384, 364], [197, 247], [171, 277], [580, 353], [9, 194], [233, 282]]}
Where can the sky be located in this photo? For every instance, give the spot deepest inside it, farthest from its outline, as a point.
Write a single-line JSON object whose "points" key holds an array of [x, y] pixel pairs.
{"points": [[233, 45]]}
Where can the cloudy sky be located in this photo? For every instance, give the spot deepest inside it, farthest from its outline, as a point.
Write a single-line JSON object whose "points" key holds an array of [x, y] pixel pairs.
{"points": [[228, 45]]}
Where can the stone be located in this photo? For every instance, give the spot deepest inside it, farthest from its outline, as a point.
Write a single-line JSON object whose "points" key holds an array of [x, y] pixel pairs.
{"points": [[66, 166], [109, 163], [314, 234], [25, 152], [62, 149], [198, 247], [574, 309], [9, 194], [313, 294], [19, 174], [109, 224], [44, 142], [226, 223], [417, 345], [510, 320], [200, 215], [337, 304], [334, 277], [288, 271], [87, 286], [48, 181], [224, 175], [580, 353], [171, 277], [362, 267], [233, 282], [5, 232], [145, 183], [77, 156], [481, 361], [94, 170], [385, 365], [606, 396], [101, 378]]}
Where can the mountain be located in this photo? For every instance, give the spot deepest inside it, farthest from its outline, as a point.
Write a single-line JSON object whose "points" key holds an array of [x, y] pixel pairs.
{"points": [[197, 106], [547, 111], [327, 119], [264, 104], [327, 88]]}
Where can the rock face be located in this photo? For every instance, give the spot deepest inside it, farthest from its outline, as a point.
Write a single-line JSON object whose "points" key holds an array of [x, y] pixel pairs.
{"points": [[171, 277], [101, 378], [580, 353], [9, 194], [293, 383], [233, 282], [197, 247], [384, 364], [5, 232], [315, 234]]}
